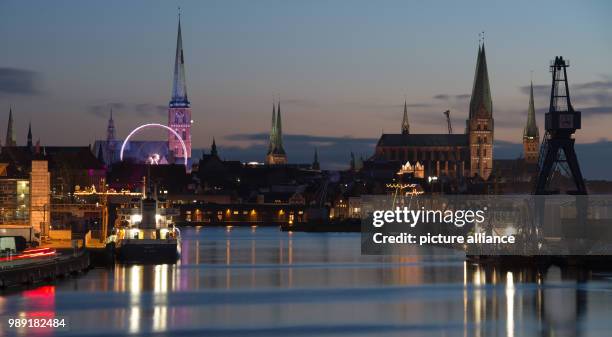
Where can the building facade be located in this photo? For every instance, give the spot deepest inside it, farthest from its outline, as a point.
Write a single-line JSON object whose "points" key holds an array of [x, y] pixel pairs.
{"points": [[40, 198], [14, 197]]}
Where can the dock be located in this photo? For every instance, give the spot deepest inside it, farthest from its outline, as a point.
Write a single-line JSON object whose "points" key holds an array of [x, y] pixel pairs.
{"points": [[31, 271]]}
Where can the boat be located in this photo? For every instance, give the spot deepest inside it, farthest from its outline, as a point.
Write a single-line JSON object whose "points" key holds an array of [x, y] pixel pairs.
{"points": [[145, 233]]}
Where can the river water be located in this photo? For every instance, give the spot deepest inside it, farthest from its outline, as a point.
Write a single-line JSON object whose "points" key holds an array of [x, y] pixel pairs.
{"points": [[263, 282]]}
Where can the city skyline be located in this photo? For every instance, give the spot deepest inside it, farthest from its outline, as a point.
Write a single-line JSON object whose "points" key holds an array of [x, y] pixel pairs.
{"points": [[338, 92]]}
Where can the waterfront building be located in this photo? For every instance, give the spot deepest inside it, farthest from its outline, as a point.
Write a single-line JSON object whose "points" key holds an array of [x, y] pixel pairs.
{"points": [[71, 167], [14, 196], [263, 214], [469, 154]]}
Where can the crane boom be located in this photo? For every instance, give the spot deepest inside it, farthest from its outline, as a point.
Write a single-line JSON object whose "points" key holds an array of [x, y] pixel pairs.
{"points": [[448, 122]]}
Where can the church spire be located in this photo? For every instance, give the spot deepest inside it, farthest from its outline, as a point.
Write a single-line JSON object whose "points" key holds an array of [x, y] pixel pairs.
{"points": [[110, 145], [213, 149], [480, 124], [10, 134], [272, 130], [481, 104], [279, 130], [179, 109], [100, 155], [179, 84], [315, 161], [29, 141], [110, 129], [405, 123], [276, 154], [531, 128]]}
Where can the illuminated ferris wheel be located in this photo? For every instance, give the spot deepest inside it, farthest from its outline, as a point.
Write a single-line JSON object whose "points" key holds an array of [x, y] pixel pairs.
{"points": [[154, 159]]}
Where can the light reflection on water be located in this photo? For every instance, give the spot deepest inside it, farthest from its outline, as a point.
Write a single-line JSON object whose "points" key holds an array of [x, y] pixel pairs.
{"points": [[264, 282]]}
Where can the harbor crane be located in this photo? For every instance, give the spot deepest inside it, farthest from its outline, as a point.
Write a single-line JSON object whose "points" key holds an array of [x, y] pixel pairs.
{"points": [[448, 122]]}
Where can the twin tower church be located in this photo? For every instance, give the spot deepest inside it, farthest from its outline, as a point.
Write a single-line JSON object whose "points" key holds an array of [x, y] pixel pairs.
{"points": [[466, 154]]}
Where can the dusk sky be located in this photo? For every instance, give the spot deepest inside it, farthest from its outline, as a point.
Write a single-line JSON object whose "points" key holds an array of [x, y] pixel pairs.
{"points": [[341, 69]]}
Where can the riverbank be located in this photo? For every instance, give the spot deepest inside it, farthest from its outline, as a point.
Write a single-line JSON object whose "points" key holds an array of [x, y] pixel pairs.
{"points": [[332, 226], [27, 272]]}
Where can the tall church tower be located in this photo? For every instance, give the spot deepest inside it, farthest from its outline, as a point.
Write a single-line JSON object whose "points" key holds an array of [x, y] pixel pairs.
{"points": [[111, 140], [405, 123], [276, 153], [480, 122], [179, 110], [531, 134]]}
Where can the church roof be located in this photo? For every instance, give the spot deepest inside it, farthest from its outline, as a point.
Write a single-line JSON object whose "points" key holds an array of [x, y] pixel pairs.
{"points": [[388, 139]]}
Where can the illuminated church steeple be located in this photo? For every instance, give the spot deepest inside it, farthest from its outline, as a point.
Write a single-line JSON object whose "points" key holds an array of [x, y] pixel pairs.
{"points": [[480, 122], [276, 154], [531, 134], [179, 110]]}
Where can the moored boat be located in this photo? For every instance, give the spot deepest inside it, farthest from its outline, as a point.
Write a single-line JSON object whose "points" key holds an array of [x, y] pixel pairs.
{"points": [[145, 232]]}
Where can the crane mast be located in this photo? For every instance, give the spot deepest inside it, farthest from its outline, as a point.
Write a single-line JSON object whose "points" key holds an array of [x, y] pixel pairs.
{"points": [[448, 122]]}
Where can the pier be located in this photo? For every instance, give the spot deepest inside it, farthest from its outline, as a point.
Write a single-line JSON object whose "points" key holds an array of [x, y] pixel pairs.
{"points": [[19, 272]]}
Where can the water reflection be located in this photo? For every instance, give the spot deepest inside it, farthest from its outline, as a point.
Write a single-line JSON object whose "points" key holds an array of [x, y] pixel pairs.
{"points": [[243, 280], [552, 301]]}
